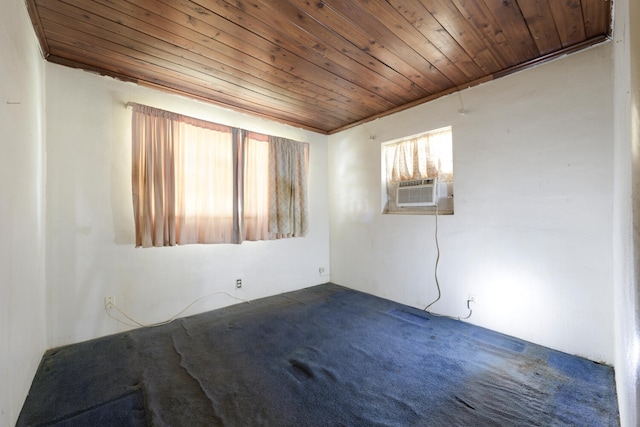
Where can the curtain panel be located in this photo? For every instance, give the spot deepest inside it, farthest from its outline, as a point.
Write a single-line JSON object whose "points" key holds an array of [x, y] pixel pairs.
{"points": [[427, 156], [153, 176], [288, 205], [195, 181]]}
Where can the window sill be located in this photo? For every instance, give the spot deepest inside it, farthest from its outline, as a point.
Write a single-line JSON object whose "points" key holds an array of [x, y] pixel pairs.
{"points": [[419, 211], [445, 207]]}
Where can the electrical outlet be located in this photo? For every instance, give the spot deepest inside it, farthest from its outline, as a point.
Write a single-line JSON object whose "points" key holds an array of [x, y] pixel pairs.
{"points": [[238, 283], [471, 299], [109, 302], [321, 270]]}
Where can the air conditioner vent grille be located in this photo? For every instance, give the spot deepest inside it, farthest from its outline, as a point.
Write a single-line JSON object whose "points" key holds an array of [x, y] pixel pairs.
{"points": [[416, 182], [421, 192]]}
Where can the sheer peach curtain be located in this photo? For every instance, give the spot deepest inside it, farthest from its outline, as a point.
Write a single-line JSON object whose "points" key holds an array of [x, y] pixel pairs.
{"points": [[153, 176], [199, 182], [427, 156], [255, 200], [205, 184]]}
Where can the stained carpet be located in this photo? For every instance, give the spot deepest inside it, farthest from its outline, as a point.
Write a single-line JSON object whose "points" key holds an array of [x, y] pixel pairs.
{"points": [[322, 356]]}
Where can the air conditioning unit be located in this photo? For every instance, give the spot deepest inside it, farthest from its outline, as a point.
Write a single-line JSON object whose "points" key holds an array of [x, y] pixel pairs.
{"points": [[419, 192]]}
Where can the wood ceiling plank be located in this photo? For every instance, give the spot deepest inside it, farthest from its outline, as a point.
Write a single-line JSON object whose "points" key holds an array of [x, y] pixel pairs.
{"points": [[488, 30], [169, 72], [448, 15], [384, 14], [420, 18], [379, 34], [34, 15], [597, 16], [302, 35], [292, 53], [107, 29], [136, 17], [362, 42], [179, 64], [509, 17], [222, 45], [70, 55], [538, 15], [251, 50], [276, 57], [311, 23], [305, 29], [567, 15], [323, 65], [64, 59]]}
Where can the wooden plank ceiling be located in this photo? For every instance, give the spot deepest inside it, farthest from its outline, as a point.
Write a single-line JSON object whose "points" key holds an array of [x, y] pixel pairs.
{"points": [[320, 65]]}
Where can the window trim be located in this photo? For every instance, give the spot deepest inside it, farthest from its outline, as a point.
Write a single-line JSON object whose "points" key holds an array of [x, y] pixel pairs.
{"points": [[444, 205], [156, 152]]}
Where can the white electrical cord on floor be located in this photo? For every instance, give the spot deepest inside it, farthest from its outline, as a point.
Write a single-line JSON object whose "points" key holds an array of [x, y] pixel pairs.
{"points": [[171, 319], [435, 272]]}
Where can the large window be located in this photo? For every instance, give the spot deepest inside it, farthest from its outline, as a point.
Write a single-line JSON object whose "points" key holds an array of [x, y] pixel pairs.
{"points": [[418, 173], [199, 182]]}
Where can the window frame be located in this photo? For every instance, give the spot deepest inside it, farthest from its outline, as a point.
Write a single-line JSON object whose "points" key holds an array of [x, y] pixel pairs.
{"points": [[162, 215], [444, 204]]}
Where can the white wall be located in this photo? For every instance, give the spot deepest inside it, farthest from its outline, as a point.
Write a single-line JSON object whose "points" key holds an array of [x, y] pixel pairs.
{"points": [[627, 209], [531, 234], [22, 158], [90, 239], [536, 259]]}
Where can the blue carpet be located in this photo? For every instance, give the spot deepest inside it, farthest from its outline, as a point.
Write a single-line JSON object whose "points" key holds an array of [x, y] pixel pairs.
{"points": [[125, 411], [323, 356]]}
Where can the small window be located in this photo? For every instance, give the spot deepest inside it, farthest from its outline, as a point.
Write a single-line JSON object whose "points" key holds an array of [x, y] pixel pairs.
{"points": [[417, 174]]}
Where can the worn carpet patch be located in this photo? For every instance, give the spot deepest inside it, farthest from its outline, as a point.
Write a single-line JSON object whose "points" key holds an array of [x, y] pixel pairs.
{"points": [[321, 356]]}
